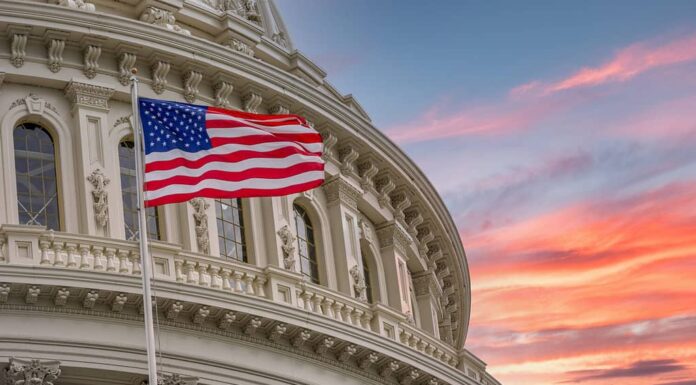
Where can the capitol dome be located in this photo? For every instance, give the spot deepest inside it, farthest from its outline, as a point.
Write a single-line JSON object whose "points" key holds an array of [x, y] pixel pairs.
{"points": [[361, 281]]}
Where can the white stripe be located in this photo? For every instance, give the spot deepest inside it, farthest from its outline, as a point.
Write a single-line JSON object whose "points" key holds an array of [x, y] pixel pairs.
{"points": [[225, 149], [278, 163], [289, 129], [251, 183]]}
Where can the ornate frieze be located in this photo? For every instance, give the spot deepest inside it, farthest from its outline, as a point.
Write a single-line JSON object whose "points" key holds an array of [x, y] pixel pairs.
{"points": [[77, 4], [239, 46], [359, 285], [287, 245], [31, 372], [338, 189], [192, 79], [162, 18], [160, 70], [88, 95], [100, 196], [200, 217]]}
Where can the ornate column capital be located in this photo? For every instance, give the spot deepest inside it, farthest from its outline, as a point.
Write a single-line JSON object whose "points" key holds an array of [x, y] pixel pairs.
{"points": [[340, 190], [34, 372], [88, 95]]}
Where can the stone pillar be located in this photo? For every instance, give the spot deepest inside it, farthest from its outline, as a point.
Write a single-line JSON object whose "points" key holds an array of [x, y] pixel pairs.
{"points": [[34, 372], [342, 198], [90, 110]]}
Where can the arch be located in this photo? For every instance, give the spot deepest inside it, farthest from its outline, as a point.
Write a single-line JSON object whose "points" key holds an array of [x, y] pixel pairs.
{"points": [[59, 131]]}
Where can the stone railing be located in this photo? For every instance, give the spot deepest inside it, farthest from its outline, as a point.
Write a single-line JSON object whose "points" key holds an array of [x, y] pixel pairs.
{"points": [[32, 245]]}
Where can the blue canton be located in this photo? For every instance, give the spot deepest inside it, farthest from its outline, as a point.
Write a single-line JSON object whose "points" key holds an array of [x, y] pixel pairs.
{"points": [[170, 125]]}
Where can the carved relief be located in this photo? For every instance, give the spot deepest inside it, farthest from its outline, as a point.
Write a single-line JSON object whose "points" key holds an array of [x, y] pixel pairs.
{"points": [[162, 18], [191, 81], [223, 90], [77, 4], [359, 285], [19, 49], [91, 59], [159, 75], [126, 61], [239, 46], [201, 220], [287, 239], [100, 196], [32, 372], [55, 54]]}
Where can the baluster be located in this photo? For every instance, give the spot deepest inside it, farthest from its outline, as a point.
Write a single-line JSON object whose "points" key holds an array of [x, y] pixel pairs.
{"points": [[84, 256], [98, 253], [72, 256], [249, 284], [110, 262]]}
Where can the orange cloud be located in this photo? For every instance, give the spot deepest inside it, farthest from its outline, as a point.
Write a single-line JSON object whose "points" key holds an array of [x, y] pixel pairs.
{"points": [[626, 64]]}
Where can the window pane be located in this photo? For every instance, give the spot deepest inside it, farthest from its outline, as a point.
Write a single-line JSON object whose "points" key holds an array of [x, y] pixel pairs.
{"points": [[37, 190]]}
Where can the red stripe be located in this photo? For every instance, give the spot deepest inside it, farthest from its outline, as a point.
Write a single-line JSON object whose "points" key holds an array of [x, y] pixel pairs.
{"points": [[236, 176], [236, 156], [273, 138], [255, 117], [241, 193]]}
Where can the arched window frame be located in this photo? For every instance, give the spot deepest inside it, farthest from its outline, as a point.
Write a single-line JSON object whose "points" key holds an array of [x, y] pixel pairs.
{"points": [[154, 214]]}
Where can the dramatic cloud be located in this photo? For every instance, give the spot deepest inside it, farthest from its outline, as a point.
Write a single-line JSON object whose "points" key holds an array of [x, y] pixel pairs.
{"points": [[626, 64]]}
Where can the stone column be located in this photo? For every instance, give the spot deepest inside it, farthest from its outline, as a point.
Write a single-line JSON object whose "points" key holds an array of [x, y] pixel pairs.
{"points": [[34, 372], [90, 110]]}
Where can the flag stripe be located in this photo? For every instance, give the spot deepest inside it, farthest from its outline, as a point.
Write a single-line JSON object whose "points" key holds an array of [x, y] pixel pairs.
{"points": [[235, 176], [258, 183]]}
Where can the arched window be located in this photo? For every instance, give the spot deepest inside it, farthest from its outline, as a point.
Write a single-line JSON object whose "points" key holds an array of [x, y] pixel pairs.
{"points": [[230, 226], [126, 158], [37, 186], [306, 245], [366, 274]]}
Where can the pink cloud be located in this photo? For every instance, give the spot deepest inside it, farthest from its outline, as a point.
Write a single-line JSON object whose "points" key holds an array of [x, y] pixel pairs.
{"points": [[626, 64]]}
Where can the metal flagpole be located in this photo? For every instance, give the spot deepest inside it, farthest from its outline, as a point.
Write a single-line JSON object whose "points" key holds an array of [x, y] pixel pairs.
{"points": [[144, 256]]}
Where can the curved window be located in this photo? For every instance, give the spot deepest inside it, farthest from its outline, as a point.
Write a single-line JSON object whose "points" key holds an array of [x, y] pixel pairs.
{"points": [[306, 245], [366, 275], [230, 226], [126, 158], [35, 166]]}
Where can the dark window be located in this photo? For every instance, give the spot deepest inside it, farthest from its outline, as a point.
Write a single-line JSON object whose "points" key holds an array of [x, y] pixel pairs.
{"points": [[366, 274], [37, 186], [306, 245], [126, 158], [230, 225]]}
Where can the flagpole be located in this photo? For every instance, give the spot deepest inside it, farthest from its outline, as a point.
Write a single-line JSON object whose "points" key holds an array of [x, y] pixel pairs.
{"points": [[144, 256]]}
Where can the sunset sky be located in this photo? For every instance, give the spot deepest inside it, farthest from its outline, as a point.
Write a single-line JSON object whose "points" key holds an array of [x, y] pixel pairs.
{"points": [[562, 137]]}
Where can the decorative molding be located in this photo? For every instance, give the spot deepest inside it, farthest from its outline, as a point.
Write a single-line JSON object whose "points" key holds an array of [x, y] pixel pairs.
{"points": [[31, 372], [338, 189], [91, 60], [359, 285], [160, 69], [18, 47], [88, 95], [239, 46], [77, 4], [287, 239], [126, 62], [162, 18], [223, 90], [192, 79], [100, 196], [200, 217], [251, 101]]}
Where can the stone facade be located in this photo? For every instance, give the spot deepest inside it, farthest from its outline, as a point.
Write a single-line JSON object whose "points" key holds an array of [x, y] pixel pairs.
{"points": [[70, 299]]}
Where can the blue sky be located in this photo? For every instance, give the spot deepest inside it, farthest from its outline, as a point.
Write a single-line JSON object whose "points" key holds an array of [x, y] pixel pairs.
{"points": [[562, 137]]}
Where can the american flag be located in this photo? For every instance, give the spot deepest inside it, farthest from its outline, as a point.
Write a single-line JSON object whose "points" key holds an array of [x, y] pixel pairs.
{"points": [[197, 151]]}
